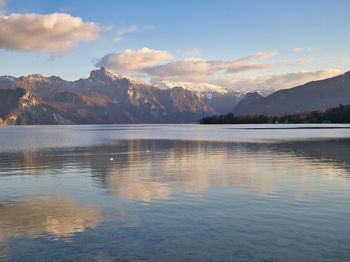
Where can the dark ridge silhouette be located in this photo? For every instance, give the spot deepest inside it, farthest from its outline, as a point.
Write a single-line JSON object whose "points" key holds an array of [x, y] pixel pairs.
{"points": [[340, 114]]}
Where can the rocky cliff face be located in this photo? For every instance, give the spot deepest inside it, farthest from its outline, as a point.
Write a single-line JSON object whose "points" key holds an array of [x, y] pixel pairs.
{"points": [[18, 106], [315, 95]]}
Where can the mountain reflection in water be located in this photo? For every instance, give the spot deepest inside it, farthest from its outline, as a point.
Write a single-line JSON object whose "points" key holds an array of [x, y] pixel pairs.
{"points": [[147, 170], [184, 196]]}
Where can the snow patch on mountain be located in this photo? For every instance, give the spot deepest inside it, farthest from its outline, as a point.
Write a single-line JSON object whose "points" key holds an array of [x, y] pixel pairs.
{"points": [[202, 89], [8, 78]]}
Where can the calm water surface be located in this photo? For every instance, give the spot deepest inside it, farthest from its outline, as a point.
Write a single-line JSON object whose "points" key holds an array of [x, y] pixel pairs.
{"points": [[175, 193]]}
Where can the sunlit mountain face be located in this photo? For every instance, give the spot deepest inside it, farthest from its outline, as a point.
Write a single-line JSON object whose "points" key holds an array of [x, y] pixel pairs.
{"points": [[103, 98]]}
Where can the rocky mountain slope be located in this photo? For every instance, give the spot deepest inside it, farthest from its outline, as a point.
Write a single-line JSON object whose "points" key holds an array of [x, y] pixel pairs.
{"points": [[220, 99], [246, 103], [18, 106], [314, 95], [106, 97]]}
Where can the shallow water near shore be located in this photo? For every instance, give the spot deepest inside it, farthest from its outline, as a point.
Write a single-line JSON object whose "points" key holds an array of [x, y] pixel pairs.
{"points": [[175, 193]]}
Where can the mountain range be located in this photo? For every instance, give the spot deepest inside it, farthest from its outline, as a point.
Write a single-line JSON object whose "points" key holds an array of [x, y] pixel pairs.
{"points": [[108, 98], [316, 95], [103, 97]]}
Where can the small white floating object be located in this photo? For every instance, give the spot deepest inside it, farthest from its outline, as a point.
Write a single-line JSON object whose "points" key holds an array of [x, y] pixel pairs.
{"points": [[111, 159], [147, 150]]}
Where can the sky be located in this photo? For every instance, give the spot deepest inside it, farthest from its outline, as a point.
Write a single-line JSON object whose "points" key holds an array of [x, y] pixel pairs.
{"points": [[240, 45]]}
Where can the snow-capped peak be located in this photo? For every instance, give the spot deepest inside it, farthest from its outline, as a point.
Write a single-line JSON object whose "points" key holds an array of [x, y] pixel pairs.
{"points": [[8, 78], [202, 89]]}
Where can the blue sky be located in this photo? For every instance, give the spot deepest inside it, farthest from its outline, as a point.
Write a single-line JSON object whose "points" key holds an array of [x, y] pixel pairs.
{"points": [[214, 31]]}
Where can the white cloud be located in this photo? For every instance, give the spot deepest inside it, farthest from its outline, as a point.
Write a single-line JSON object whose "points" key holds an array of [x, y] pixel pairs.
{"points": [[258, 56], [270, 83], [45, 33], [250, 67], [298, 50], [190, 52], [134, 59], [301, 50], [148, 61], [122, 31], [198, 66], [149, 64], [117, 39], [182, 68], [287, 80], [339, 61]]}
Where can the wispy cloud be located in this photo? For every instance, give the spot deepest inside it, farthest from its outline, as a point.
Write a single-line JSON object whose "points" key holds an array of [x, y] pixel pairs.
{"points": [[198, 66], [302, 50], [65, 9], [302, 62], [305, 61], [258, 56], [45, 33], [339, 61], [124, 30], [107, 28], [287, 80], [54, 56], [272, 82], [117, 39], [195, 51]]}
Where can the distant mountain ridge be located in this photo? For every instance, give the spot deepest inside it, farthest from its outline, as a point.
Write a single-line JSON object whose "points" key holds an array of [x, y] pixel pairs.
{"points": [[315, 95], [107, 97]]}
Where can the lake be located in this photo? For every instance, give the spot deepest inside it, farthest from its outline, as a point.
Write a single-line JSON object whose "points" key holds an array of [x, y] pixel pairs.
{"points": [[175, 193]]}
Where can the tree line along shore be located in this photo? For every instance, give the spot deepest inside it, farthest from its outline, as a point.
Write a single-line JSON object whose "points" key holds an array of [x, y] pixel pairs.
{"points": [[340, 114]]}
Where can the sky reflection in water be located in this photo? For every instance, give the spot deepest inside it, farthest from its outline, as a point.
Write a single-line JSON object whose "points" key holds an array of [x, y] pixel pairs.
{"points": [[176, 199]]}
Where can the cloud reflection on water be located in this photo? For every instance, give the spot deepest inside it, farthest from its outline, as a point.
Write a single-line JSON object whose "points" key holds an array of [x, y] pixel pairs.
{"points": [[121, 177], [148, 170], [54, 214]]}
